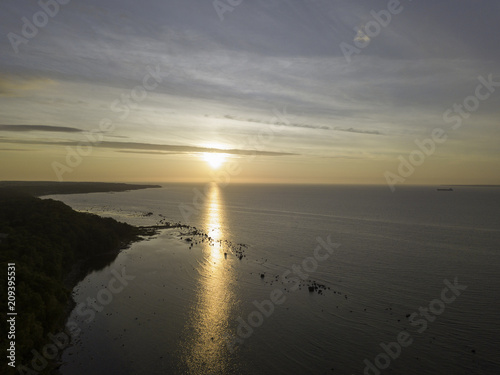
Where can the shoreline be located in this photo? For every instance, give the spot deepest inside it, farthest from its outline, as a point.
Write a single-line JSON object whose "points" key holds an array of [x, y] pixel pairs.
{"points": [[43, 188], [81, 267], [52, 243], [79, 271]]}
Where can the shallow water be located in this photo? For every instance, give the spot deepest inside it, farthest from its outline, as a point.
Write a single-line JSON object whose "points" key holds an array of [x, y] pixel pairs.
{"points": [[183, 311]]}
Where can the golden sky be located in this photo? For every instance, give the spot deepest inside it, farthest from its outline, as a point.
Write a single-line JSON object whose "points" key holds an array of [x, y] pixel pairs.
{"points": [[288, 92]]}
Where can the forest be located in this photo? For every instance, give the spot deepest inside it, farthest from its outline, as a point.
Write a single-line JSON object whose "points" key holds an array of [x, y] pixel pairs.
{"points": [[53, 247]]}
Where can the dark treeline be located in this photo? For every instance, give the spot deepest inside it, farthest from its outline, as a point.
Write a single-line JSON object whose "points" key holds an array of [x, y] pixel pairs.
{"points": [[39, 188], [53, 247]]}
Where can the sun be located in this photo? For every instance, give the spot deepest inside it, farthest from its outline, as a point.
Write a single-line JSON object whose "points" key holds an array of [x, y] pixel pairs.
{"points": [[214, 159]]}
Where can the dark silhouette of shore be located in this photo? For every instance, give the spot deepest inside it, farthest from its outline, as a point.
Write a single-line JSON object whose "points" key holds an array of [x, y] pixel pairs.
{"points": [[53, 247], [40, 188]]}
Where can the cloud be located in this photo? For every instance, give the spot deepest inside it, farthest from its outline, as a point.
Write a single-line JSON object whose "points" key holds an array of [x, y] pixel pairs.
{"points": [[15, 86], [14, 149], [291, 125], [186, 149], [147, 152], [352, 130], [260, 58], [39, 128], [307, 126], [151, 147]]}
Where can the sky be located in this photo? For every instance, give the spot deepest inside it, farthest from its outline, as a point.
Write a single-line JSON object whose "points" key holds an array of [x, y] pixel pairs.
{"points": [[281, 91]]}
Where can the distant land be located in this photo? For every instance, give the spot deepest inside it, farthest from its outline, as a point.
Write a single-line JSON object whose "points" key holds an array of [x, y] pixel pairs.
{"points": [[495, 186], [39, 188]]}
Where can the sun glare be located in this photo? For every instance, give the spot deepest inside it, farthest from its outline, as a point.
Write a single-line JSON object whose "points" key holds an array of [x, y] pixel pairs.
{"points": [[215, 160]]}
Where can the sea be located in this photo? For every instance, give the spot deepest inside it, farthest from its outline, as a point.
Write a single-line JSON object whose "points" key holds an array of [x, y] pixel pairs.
{"points": [[293, 279]]}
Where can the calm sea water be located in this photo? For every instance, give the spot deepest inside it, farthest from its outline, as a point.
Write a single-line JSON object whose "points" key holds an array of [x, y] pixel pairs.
{"points": [[190, 309]]}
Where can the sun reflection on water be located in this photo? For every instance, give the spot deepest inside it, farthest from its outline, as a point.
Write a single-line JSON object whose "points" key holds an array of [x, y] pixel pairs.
{"points": [[206, 350]]}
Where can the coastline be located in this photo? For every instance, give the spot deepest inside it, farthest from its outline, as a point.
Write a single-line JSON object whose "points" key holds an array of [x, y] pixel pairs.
{"points": [[42, 188], [57, 238], [172, 278]]}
